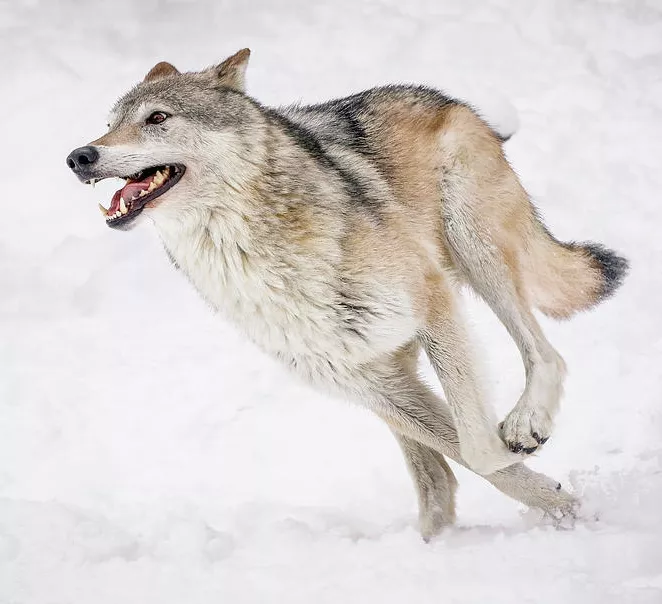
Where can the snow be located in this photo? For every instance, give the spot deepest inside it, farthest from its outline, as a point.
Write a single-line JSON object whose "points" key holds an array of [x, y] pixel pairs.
{"points": [[148, 454]]}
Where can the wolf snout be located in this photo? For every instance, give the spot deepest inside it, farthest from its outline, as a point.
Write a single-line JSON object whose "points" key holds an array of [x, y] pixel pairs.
{"points": [[81, 160]]}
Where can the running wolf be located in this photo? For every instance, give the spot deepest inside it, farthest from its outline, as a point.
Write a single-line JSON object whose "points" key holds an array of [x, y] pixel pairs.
{"points": [[338, 235]]}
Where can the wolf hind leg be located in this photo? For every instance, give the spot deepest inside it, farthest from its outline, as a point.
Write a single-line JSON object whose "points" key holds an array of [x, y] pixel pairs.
{"points": [[446, 344], [530, 422], [489, 224]]}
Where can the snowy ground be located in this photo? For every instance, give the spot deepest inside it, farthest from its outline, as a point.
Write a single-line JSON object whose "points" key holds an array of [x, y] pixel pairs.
{"points": [[148, 455]]}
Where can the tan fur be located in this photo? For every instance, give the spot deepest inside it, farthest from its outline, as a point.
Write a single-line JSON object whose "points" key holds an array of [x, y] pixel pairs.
{"points": [[118, 137], [159, 71], [232, 71], [423, 146], [336, 236], [559, 281]]}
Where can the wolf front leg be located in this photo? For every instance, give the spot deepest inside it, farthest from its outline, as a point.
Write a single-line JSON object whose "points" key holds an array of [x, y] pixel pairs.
{"points": [[435, 486], [446, 343]]}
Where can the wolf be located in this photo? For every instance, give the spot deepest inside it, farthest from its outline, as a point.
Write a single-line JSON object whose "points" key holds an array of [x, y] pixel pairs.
{"points": [[338, 236]]}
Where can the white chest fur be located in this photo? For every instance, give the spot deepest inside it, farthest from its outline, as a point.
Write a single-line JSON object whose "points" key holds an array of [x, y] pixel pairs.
{"points": [[284, 299]]}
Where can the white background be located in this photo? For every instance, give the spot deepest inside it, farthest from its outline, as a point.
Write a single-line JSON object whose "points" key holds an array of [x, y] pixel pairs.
{"points": [[149, 455]]}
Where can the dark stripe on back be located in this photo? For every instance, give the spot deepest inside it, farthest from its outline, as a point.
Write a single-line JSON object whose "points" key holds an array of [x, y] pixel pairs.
{"points": [[358, 192]]}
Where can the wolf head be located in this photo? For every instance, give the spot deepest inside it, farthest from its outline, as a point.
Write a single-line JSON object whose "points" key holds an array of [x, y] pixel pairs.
{"points": [[172, 137]]}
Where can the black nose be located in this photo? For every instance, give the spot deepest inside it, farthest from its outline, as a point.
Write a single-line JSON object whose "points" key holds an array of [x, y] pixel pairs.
{"points": [[81, 158]]}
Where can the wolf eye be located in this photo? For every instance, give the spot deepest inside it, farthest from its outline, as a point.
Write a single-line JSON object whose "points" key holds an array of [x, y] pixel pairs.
{"points": [[158, 117]]}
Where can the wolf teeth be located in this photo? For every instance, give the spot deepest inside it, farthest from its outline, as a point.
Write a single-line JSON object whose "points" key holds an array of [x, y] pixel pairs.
{"points": [[142, 193], [152, 186], [123, 208], [103, 210], [158, 178]]}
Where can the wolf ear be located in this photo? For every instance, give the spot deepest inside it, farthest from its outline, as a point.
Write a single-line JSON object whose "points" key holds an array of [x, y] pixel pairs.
{"points": [[159, 71], [232, 71]]}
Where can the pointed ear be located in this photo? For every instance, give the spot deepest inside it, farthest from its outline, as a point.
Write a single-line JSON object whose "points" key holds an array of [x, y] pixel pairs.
{"points": [[159, 71], [232, 71]]}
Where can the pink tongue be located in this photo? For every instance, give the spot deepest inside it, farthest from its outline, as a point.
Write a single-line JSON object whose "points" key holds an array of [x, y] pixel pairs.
{"points": [[133, 189], [128, 192]]}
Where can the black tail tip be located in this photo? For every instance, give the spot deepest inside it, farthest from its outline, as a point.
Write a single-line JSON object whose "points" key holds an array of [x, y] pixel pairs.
{"points": [[614, 268]]}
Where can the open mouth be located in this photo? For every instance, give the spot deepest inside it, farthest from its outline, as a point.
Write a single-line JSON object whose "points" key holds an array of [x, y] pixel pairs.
{"points": [[139, 190]]}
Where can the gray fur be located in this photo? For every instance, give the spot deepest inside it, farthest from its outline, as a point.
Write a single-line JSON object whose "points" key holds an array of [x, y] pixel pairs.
{"points": [[288, 223]]}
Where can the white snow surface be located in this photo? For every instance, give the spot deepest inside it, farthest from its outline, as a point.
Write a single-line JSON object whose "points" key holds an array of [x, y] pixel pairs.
{"points": [[148, 454]]}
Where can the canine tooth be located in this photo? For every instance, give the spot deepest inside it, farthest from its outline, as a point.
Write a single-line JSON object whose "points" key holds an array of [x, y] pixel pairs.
{"points": [[103, 210], [123, 207], [152, 186]]}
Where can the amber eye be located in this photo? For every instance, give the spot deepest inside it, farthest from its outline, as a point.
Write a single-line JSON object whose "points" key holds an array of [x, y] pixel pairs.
{"points": [[158, 117]]}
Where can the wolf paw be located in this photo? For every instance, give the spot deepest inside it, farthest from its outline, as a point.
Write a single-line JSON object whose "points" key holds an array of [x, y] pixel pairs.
{"points": [[526, 429], [565, 512], [561, 510], [433, 520]]}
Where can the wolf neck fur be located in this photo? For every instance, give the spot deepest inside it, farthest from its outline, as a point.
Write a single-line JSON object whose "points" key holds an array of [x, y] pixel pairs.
{"points": [[282, 306]]}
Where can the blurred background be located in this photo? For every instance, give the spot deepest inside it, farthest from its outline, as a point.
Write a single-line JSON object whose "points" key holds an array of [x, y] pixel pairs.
{"points": [[149, 454]]}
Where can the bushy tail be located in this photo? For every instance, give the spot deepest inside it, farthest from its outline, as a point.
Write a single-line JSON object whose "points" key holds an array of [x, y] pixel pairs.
{"points": [[565, 278]]}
